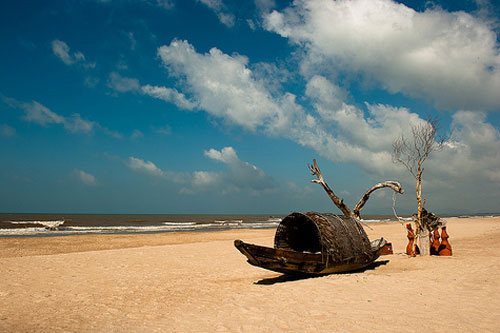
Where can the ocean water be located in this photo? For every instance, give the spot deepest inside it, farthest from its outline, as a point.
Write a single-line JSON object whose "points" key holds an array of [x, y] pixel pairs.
{"points": [[71, 224], [74, 224]]}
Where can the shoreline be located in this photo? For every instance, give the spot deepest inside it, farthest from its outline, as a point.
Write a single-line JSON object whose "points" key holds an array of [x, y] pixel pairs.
{"points": [[181, 226], [193, 281], [60, 243]]}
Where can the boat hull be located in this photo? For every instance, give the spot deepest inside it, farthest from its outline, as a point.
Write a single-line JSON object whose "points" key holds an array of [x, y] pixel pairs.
{"points": [[294, 262]]}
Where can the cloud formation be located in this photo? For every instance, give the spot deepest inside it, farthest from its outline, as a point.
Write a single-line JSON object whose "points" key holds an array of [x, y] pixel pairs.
{"points": [[239, 176], [86, 178], [40, 114], [62, 51], [169, 95], [225, 17], [473, 152], [449, 58], [148, 167], [225, 87], [165, 4], [37, 113], [122, 84]]}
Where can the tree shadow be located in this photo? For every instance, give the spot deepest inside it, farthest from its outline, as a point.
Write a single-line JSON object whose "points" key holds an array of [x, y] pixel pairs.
{"points": [[295, 277]]}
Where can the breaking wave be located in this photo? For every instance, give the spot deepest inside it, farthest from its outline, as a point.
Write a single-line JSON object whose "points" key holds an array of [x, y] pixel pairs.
{"points": [[50, 225]]}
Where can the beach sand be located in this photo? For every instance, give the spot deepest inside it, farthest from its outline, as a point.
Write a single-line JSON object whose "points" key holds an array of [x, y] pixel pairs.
{"points": [[198, 282]]}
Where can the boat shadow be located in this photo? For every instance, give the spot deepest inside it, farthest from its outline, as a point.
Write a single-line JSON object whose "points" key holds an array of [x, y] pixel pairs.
{"points": [[295, 277]]}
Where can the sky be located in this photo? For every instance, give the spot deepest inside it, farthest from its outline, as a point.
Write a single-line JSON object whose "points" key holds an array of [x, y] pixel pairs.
{"points": [[217, 106]]}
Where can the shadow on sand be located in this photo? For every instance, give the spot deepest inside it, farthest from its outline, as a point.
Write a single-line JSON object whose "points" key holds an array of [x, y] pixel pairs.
{"points": [[295, 277]]}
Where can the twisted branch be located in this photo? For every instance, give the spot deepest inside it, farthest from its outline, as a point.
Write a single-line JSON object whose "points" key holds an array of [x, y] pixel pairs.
{"points": [[315, 171], [396, 186]]}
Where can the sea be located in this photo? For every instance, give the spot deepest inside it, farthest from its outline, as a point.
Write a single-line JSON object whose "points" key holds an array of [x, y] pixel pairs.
{"points": [[15, 225]]}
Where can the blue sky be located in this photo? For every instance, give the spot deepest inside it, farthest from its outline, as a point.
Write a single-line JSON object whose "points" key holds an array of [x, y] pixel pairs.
{"points": [[217, 106]]}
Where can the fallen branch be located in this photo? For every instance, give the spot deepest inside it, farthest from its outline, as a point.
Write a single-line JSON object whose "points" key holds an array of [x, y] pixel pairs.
{"points": [[396, 186]]}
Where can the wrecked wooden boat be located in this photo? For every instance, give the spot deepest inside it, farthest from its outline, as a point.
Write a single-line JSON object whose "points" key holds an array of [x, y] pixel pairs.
{"points": [[314, 243]]}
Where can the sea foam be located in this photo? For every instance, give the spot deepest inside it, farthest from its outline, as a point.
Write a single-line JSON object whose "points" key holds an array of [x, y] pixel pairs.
{"points": [[50, 225]]}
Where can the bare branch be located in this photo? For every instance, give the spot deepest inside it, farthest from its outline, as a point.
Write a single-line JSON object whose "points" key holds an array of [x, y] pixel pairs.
{"points": [[424, 140], [315, 171], [396, 186]]}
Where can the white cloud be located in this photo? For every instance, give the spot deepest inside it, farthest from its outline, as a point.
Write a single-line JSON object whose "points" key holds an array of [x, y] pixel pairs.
{"points": [[226, 155], [165, 4], [264, 5], [487, 11], [241, 175], [474, 152], [223, 86], [86, 178], [451, 59], [220, 10], [169, 95], [205, 179], [148, 167], [62, 51], [122, 84], [374, 132], [76, 124], [38, 113]]}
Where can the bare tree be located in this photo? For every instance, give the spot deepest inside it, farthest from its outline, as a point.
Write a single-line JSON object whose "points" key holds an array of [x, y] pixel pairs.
{"points": [[412, 153]]}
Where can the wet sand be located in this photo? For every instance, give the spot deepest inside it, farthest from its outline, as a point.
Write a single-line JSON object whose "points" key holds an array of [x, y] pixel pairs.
{"points": [[198, 282]]}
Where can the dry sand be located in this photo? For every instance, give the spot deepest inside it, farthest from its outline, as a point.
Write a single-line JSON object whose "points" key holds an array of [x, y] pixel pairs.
{"points": [[198, 282]]}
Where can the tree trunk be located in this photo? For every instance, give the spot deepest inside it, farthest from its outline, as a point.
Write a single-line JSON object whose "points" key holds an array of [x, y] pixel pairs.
{"points": [[424, 243]]}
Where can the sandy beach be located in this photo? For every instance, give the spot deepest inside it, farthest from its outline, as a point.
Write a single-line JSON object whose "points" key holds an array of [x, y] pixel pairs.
{"points": [[198, 282]]}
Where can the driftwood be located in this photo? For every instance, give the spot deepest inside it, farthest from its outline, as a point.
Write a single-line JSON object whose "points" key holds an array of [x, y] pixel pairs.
{"points": [[313, 243], [315, 171], [392, 184]]}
